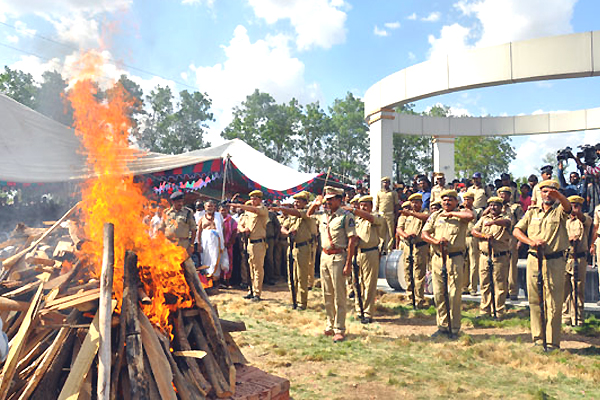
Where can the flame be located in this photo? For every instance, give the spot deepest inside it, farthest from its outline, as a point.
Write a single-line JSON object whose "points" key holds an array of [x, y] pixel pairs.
{"points": [[113, 196]]}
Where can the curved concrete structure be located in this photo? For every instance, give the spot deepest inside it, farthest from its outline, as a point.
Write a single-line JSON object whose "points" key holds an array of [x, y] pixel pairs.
{"points": [[559, 57]]}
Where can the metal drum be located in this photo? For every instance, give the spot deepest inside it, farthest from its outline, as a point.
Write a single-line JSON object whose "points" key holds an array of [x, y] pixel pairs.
{"points": [[393, 265]]}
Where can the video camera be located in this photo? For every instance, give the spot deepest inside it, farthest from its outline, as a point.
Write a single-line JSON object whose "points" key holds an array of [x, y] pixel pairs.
{"points": [[564, 154], [588, 153]]}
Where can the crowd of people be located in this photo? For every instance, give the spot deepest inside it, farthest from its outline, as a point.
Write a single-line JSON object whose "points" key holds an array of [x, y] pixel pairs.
{"points": [[466, 235]]}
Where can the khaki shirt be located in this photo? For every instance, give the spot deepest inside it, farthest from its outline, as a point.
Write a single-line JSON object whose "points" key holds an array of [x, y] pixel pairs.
{"points": [[453, 229], [436, 193], [597, 215], [282, 221], [549, 226], [471, 224], [257, 222], [386, 201], [536, 196], [178, 224], [336, 228], [301, 225], [581, 230], [500, 234], [514, 212], [411, 225], [369, 232], [482, 194]]}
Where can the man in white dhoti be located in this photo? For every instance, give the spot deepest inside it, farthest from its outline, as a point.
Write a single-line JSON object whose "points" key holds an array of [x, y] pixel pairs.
{"points": [[211, 244]]}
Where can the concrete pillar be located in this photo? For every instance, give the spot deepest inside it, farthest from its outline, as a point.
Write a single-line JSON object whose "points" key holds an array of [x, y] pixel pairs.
{"points": [[381, 135], [443, 156]]}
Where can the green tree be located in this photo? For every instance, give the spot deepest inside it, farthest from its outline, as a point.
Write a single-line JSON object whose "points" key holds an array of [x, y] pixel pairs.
{"points": [[19, 86], [134, 98], [269, 127], [489, 155], [349, 149], [412, 154], [51, 100], [313, 136]]}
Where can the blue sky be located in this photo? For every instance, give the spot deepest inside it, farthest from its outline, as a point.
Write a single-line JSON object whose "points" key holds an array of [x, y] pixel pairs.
{"points": [[308, 49]]}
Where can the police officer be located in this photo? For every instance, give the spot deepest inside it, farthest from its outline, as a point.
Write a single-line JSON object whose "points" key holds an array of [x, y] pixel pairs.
{"points": [[578, 229], [493, 230], [448, 226], [178, 223], [298, 224], [515, 212], [545, 227], [386, 203], [440, 185], [480, 192], [546, 172], [255, 225], [471, 273], [338, 237], [410, 225], [370, 227]]}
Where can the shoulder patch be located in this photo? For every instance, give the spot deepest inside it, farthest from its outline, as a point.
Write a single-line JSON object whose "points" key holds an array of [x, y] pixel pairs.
{"points": [[351, 223]]}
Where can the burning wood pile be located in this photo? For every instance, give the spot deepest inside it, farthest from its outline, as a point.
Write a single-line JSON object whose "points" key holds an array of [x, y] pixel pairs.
{"points": [[67, 342]]}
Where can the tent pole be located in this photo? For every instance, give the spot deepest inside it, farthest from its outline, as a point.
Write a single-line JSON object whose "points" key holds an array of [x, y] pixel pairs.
{"points": [[225, 176]]}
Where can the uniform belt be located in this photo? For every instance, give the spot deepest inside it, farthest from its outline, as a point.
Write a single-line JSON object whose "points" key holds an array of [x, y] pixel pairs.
{"points": [[550, 256], [257, 240], [420, 244], [369, 249], [301, 244], [496, 254], [580, 254], [451, 255], [333, 251]]}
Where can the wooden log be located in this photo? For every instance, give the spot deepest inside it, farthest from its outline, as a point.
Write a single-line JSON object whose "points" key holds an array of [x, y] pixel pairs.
{"points": [[144, 299], [163, 375], [13, 328], [185, 388], [12, 305], [209, 363], [210, 322], [91, 284], [18, 342], [11, 261], [60, 280], [89, 296], [232, 326], [133, 338], [105, 312], [26, 288], [236, 354], [183, 344], [84, 359], [118, 363]]}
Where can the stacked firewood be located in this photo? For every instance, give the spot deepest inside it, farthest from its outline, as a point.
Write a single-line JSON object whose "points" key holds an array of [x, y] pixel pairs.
{"points": [[67, 342]]}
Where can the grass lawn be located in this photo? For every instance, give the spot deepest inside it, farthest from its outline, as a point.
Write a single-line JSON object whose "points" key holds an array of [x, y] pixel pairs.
{"points": [[395, 358]]}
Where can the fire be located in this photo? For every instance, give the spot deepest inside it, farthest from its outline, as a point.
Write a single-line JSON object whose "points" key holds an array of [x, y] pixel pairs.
{"points": [[111, 195]]}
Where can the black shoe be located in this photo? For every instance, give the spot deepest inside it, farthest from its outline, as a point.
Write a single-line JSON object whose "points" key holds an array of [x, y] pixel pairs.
{"points": [[294, 306], [249, 296], [514, 297], [351, 295], [256, 299], [366, 320]]}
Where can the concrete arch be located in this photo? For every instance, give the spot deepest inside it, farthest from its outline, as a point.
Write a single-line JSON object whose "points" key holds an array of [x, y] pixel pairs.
{"points": [[558, 57]]}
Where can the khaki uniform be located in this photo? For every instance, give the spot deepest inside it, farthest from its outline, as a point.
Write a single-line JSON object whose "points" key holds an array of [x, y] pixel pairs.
{"points": [[385, 204], [500, 260], [301, 253], [314, 244], [536, 196], [281, 248], [178, 226], [273, 229], [367, 257], [244, 248], [413, 225], [551, 227], [581, 230], [436, 193], [257, 246], [481, 196], [455, 231], [471, 271], [515, 212], [335, 230]]}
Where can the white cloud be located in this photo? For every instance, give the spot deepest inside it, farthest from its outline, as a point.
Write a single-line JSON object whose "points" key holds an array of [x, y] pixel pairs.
{"points": [[411, 56], [379, 32], [22, 29], [77, 29], [209, 3], [265, 65], [36, 66], [412, 17], [318, 23], [392, 25], [452, 38], [432, 17], [12, 39], [61, 7], [455, 111]]}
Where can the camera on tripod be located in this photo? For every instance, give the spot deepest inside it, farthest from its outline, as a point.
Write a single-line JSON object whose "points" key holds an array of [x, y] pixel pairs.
{"points": [[588, 153], [564, 154]]}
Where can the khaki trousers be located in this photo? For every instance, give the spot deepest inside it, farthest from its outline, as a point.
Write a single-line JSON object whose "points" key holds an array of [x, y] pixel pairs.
{"points": [[569, 303], [500, 265], [420, 257], [334, 291], [455, 267], [281, 257], [256, 259], [269, 265], [369, 269], [471, 275], [311, 264], [388, 243], [301, 262], [554, 286], [513, 272]]}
